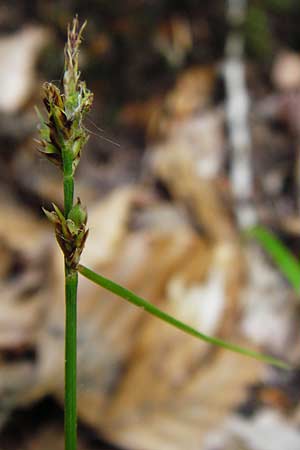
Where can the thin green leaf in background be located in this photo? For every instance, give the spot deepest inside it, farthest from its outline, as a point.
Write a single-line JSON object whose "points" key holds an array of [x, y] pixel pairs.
{"points": [[282, 257]]}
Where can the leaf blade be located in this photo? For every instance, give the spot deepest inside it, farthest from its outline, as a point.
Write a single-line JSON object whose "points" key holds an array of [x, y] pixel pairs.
{"points": [[153, 310], [280, 254]]}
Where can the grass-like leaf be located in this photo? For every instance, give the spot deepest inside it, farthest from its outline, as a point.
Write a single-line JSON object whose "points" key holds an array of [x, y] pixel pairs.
{"points": [[150, 308], [282, 257]]}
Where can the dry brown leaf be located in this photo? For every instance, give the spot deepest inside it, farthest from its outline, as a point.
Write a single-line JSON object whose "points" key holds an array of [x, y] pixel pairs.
{"points": [[18, 54]]}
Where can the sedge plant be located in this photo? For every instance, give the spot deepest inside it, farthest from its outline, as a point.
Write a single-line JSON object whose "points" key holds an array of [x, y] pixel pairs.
{"points": [[62, 138]]}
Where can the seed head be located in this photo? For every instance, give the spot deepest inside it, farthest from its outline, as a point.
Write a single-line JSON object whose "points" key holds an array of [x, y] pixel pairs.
{"points": [[71, 233], [63, 129]]}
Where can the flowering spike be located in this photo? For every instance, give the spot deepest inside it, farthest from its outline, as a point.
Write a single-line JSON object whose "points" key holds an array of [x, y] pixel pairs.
{"points": [[62, 130], [72, 74], [71, 233]]}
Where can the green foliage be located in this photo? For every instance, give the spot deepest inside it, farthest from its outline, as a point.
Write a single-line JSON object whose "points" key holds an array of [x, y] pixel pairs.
{"points": [[258, 34], [280, 254], [151, 309], [282, 5]]}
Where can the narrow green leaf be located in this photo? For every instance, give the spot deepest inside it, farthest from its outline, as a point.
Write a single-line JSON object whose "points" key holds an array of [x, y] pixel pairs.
{"points": [[283, 258], [58, 212], [150, 308]]}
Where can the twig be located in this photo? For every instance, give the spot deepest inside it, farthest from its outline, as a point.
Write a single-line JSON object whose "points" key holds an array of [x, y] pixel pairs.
{"points": [[237, 109]]}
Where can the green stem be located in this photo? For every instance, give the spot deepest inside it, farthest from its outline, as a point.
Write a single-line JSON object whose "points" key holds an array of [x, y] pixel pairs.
{"points": [[68, 180], [150, 308], [71, 281]]}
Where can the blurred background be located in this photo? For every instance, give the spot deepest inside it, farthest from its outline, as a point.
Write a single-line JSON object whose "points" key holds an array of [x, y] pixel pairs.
{"points": [[194, 140]]}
